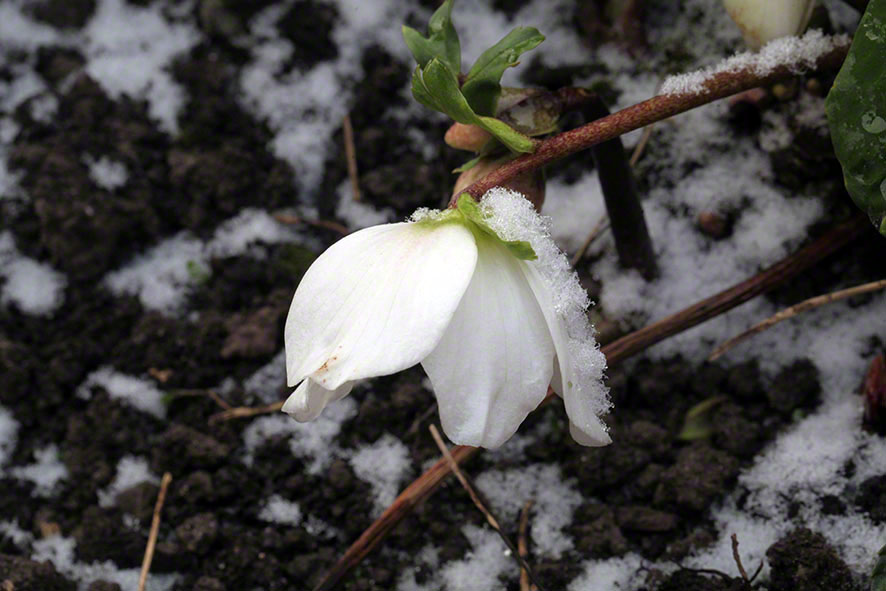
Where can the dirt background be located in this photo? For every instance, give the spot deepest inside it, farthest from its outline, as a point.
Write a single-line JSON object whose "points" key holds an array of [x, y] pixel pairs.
{"points": [[651, 491]]}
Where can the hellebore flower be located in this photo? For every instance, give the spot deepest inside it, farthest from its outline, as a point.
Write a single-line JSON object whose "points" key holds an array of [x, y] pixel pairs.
{"points": [[479, 295], [761, 21]]}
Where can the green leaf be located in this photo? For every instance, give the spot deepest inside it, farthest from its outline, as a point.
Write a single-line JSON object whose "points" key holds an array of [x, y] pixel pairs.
{"points": [[856, 110], [435, 86], [441, 43], [697, 423], [471, 211], [878, 577], [481, 87]]}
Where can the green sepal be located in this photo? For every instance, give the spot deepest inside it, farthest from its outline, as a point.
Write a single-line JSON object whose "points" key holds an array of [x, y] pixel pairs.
{"points": [[856, 111], [441, 43], [436, 87], [471, 212], [482, 86]]}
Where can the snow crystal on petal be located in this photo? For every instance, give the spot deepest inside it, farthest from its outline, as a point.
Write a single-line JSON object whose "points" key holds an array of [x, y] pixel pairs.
{"points": [[512, 217]]}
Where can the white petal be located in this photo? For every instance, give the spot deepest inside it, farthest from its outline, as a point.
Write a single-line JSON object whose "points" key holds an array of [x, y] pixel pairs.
{"points": [[377, 301], [310, 398], [580, 387], [493, 364]]}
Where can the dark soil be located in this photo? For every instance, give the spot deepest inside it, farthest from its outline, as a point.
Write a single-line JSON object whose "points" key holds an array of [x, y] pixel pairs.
{"points": [[651, 490]]}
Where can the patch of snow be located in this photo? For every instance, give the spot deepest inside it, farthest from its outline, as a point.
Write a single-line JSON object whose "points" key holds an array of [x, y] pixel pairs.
{"points": [[574, 210], [267, 382], [45, 473], [18, 536], [358, 215], [138, 393], [107, 173], [129, 50], [384, 464], [8, 436], [60, 551], [163, 276], [20, 31], [314, 442], [481, 568], [280, 510], [554, 499], [131, 470], [34, 287], [612, 574]]}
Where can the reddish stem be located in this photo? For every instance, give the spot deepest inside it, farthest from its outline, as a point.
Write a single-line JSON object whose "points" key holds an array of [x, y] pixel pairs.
{"points": [[640, 115]]}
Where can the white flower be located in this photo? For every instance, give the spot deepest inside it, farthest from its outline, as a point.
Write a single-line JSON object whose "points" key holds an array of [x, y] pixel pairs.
{"points": [[455, 291], [761, 21]]}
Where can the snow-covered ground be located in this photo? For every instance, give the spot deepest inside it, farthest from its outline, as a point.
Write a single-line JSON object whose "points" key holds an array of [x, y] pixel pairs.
{"points": [[694, 163]]}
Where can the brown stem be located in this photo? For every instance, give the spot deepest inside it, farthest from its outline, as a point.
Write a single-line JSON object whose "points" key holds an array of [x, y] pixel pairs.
{"points": [[640, 115], [632, 241], [615, 352]]}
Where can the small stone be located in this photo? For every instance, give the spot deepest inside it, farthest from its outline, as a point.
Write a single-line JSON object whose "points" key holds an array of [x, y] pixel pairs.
{"points": [[713, 224], [101, 585]]}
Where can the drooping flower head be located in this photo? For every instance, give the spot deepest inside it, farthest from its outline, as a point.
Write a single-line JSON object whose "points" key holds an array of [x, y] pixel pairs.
{"points": [[479, 295]]}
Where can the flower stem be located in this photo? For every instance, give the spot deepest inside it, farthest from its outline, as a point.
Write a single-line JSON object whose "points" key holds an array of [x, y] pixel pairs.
{"points": [[659, 107]]}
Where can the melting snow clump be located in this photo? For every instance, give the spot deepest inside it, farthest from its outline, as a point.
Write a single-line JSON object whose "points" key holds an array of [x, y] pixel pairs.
{"points": [[282, 511], [384, 465], [136, 392]]}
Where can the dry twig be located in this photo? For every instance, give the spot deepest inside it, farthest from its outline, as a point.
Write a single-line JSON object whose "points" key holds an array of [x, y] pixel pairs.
{"points": [[475, 497], [794, 310], [351, 155], [211, 394], [523, 547], [241, 412], [291, 220], [737, 558], [155, 529]]}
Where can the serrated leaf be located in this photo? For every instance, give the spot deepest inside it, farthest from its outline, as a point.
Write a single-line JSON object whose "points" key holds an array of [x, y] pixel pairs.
{"points": [[878, 577], [697, 423], [435, 86], [482, 86], [856, 110], [441, 43]]}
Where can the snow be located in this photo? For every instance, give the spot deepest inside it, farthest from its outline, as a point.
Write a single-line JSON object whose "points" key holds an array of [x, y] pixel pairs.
{"points": [[34, 288], [791, 52], [45, 473], [480, 569], [282, 511], [131, 470], [107, 173], [130, 49], [385, 465], [138, 393], [164, 275], [314, 442], [554, 501], [8, 436], [60, 551]]}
